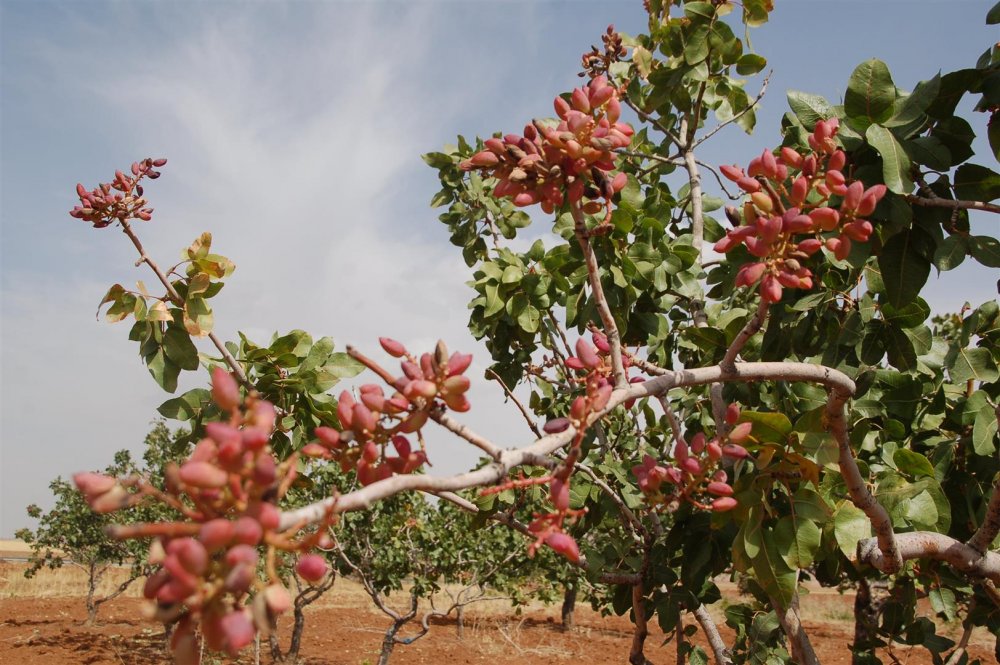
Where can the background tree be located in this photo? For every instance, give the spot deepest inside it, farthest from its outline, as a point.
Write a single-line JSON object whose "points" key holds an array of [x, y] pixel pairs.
{"points": [[70, 532]]}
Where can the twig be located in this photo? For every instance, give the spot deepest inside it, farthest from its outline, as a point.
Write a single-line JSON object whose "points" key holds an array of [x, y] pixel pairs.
{"points": [[715, 130], [510, 394], [463, 431], [743, 336], [645, 117], [839, 389]]}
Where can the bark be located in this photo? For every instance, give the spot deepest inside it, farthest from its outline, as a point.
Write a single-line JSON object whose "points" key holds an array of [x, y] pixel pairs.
{"points": [[460, 621], [791, 624], [640, 631], [569, 606], [92, 578], [722, 656], [388, 643]]}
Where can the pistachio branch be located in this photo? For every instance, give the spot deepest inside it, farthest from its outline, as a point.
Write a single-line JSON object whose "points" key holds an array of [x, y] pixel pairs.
{"points": [[176, 298], [707, 624], [594, 276]]}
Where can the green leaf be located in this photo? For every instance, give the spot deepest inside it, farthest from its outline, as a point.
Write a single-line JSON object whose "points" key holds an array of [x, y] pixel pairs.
{"points": [[850, 525], [318, 354], [870, 94], [904, 269], [179, 348], [943, 600], [928, 151], [977, 183], [696, 45], [956, 134], [511, 275], [899, 349], [164, 371], [913, 106], [912, 463], [975, 364], [797, 540], [494, 303], [984, 431], [750, 63], [187, 406], [950, 253], [809, 109], [909, 315], [768, 427], [343, 366], [895, 161], [986, 250], [529, 319], [809, 505], [632, 193], [993, 16]]}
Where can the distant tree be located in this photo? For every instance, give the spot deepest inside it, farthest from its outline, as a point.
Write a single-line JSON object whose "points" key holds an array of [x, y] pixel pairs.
{"points": [[71, 532]]}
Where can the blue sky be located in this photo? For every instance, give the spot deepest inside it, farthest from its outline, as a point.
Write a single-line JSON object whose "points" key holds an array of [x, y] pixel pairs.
{"points": [[294, 132]]}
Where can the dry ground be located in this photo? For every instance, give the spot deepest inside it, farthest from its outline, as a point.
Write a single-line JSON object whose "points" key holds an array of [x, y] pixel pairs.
{"points": [[41, 621]]}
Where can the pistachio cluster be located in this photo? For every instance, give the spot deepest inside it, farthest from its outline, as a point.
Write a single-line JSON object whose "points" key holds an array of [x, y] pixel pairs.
{"points": [[570, 160], [696, 475], [118, 200], [373, 420], [797, 204]]}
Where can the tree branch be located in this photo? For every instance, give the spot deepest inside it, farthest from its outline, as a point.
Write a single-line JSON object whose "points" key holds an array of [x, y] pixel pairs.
{"points": [[743, 336], [988, 530], [951, 204], [936, 546], [601, 302], [839, 390], [707, 624]]}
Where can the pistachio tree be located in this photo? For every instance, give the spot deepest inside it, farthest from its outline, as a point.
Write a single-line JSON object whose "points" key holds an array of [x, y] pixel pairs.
{"points": [[757, 393]]}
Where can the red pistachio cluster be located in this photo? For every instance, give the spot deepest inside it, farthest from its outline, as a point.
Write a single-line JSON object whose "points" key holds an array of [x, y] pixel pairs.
{"points": [[373, 420], [118, 200], [791, 212], [571, 160], [696, 476], [226, 492]]}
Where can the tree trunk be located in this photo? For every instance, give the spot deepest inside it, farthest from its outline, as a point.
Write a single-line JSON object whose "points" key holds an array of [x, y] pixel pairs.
{"points": [[91, 589], [388, 643], [871, 596], [639, 631], [292, 655], [460, 621], [569, 606]]}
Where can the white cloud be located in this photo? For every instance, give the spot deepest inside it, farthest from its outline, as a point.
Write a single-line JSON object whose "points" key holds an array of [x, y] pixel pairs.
{"points": [[297, 172]]}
